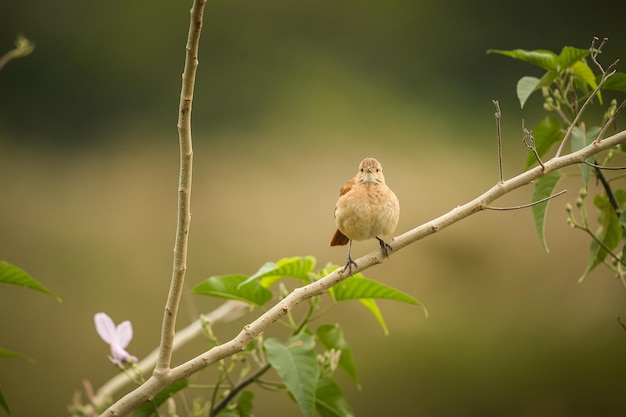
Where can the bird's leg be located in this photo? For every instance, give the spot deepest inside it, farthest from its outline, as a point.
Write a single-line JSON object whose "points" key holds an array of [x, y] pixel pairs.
{"points": [[384, 246], [350, 261]]}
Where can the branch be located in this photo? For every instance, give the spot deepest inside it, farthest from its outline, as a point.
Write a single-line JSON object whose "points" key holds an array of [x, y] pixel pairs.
{"points": [[228, 311], [147, 391], [605, 76], [184, 189], [23, 47], [498, 116]]}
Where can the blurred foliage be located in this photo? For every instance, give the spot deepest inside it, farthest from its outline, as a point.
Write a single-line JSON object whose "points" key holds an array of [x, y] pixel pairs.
{"points": [[272, 63]]}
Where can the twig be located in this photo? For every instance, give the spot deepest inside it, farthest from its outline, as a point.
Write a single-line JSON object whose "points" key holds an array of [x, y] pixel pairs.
{"points": [[499, 135], [610, 121], [237, 389], [605, 76], [534, 203], [143, 393], [609, 191], [529, 141], [591, 164], [23, 47], [619, 320]]}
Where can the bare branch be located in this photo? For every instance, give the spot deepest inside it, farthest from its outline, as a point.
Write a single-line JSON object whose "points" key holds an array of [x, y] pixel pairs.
{"points": [[499, 136], [534, 203], [529, 141], [610, 121], [605, 76], [591, 164], [184, 188]]}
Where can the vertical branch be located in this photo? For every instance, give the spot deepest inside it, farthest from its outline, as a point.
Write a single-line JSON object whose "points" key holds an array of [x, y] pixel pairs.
{"points": [[184, 188], [499, 134]]}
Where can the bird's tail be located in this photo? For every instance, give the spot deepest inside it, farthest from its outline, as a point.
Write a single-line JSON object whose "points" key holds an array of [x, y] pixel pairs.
{"points": [[339, 239]]}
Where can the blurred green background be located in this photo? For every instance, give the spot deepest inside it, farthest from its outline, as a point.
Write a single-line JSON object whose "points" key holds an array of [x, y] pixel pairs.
{"points": [[290, 97]]}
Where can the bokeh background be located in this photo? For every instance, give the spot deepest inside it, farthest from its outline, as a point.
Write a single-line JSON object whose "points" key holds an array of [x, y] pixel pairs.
{"points": [[290, 96]]}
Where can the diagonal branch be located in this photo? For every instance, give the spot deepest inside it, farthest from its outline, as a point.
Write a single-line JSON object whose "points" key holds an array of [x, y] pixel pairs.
{"points": [[143, 393]]}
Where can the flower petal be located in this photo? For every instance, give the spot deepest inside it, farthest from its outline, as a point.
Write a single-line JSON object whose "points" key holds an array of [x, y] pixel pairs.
{"points": [[105, 327], [124, 333]]}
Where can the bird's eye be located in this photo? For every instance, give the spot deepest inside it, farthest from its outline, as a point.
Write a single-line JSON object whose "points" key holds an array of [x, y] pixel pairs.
{"points": [[362, 169], [377, 169]]}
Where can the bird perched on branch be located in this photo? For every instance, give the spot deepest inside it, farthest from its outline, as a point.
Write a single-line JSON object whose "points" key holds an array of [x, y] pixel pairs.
{"points": [[366, 209]]}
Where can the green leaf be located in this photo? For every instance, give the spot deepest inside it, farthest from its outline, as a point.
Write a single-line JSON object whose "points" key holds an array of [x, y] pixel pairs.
{"points": [[371, 305], [4, 404], [150, 408], [298, 267], [5, 353], [330, 401], [525, 87], [570, 55], [546, 133], [11, 274], [545, 59], [581, 139], [357, 287], [296, 365], [244, 403], [585, 78], [331, 336], [609, 233], [229, 287], [544, 187], [616, 82]]}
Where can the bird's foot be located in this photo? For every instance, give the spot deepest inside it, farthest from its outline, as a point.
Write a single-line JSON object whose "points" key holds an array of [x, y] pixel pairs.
{"points": [[384, 247], [348, 265]]}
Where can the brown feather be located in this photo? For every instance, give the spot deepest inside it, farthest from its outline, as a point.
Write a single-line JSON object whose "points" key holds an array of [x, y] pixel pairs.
{"points": [[339, 239]]}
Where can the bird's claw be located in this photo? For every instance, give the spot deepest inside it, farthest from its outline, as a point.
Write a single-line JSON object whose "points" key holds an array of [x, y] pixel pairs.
{"points": [[348, 265], [384, 247]]}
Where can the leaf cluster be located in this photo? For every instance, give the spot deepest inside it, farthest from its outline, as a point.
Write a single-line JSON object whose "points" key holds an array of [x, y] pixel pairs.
{"points": [[567, 85], [305, 362]]}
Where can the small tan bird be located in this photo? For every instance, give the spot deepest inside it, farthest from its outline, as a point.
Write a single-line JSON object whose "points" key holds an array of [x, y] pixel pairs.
{"points": [[366, 209]]}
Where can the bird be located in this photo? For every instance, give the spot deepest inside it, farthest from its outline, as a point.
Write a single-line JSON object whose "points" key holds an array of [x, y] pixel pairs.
{"points": [[366, 209]]}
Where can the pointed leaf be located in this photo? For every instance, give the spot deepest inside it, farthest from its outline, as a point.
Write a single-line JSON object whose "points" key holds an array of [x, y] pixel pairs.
{"points": [[331, 336], [357, 287], [296, 365], [570, 55], [6, 353], [297, 267], [585, 78], [229, 287], [11, 274], [4, 404], [371, 305], [544, 187], [616, 82], [330, 401], [525, 87], [545, 59], [150, 408], [609, 233], [546, 133], [581, 139]]}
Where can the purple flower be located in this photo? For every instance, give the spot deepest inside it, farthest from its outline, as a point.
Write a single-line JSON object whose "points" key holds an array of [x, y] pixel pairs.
{"points": [[118, 337]]}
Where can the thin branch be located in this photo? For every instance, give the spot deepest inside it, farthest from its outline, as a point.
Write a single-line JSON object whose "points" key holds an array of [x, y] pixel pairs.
{"points": [[609, 191], [148, 390], [529, 141], [591, 164], [237, 389], [605, 76], [619, 320], [534, 203], [23, 47], [498, 115], [184, 188], [610, 121]]}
